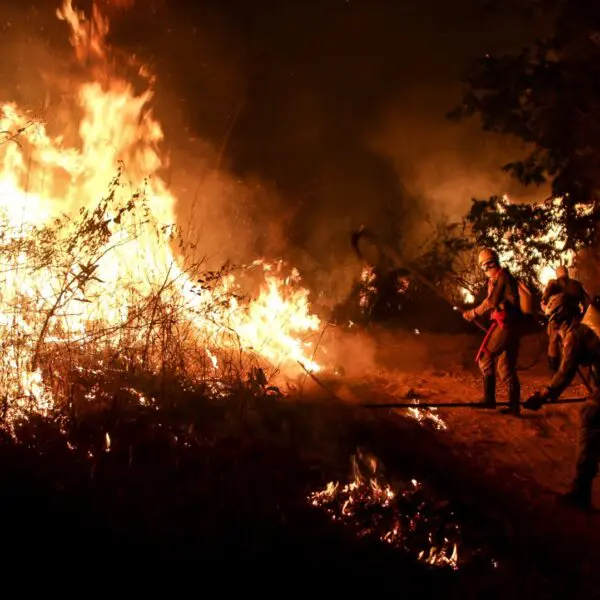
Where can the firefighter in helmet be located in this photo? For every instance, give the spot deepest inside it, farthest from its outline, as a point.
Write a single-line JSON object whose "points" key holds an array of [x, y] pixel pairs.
{"points": [[580, 348], [500, 347], [576, 295]]}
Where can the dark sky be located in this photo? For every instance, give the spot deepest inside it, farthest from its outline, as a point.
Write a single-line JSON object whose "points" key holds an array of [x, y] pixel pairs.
{"points": [[338, 106], [342, 102]]}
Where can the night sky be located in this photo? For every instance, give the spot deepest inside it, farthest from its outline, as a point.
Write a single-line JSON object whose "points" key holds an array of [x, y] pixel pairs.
{"points": [[338, 108]]}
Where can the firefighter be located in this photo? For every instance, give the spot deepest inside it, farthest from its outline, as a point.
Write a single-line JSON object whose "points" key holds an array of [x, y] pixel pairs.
{"points": [[500, 347], [575, 294], [581, 348]]}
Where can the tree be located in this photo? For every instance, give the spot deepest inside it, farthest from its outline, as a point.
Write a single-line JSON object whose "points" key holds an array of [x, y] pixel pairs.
{"points": [[548, 95]]}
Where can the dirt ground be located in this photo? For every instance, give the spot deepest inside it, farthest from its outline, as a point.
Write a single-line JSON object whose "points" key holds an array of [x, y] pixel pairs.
{"points": [[538, 445], [530, 457], [205, 482]]}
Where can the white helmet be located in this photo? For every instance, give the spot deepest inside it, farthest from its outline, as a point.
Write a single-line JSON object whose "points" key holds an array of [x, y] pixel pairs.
{"points": [[487, 255]]}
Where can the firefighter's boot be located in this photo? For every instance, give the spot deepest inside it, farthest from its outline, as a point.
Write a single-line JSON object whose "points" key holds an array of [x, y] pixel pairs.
{"points": [[514, 399], [489, 391]]}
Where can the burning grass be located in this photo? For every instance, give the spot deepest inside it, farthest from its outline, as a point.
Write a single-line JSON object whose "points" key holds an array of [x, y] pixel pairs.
{"points": [[97, 277], [67, 321], [400, 518]]}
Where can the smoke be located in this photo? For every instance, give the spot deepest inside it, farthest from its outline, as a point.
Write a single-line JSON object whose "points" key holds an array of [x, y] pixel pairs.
{"points": [[444, 165], [216, 208], [203, 72], [288, 125], [344, 112], [34, 51]]}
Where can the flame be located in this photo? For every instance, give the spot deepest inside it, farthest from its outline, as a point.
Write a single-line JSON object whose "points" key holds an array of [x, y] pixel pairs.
{"points": [[467, 296], [87, 243], [556, 236], [372, 508], [368, 290], [423, 416]]}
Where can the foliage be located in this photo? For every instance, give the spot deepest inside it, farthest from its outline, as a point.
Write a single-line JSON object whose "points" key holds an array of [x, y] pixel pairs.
{"points": [[529, 237], [548, 95], [446, 258]]}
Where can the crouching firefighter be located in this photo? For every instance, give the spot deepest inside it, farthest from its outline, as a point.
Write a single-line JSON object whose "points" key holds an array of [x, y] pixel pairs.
{"points": [[500, 347], [576, 295], [580, 348]]}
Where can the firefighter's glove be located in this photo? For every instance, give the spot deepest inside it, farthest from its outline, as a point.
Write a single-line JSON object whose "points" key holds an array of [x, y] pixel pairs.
{"points": [[469, 315], [536, 401]]}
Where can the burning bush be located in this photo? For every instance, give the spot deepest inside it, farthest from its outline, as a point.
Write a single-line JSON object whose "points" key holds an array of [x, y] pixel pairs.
{"points": [[71, 301], [96, 275], [532, 240]]}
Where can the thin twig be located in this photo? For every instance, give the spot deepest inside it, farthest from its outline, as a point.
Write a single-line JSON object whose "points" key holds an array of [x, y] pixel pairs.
{"points": [[319, 382], [312, 358]]}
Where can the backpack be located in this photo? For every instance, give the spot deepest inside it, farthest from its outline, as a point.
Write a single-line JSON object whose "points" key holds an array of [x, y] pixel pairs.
{"points": [[527, 301], [530, 308], [591, 319]]}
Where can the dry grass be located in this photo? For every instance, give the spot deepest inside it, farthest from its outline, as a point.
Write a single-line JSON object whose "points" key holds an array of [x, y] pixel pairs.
{"points": [[163, 320]]}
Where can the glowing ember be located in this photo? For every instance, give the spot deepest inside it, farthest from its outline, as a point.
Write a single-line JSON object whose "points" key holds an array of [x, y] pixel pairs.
{"points": [[368, 290], [406, 520], [467, 296], [424, 415], [87, 251]]}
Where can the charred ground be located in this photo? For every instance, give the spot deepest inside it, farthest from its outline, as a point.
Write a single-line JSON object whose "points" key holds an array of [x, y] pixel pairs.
{"points": [[198, 481]]}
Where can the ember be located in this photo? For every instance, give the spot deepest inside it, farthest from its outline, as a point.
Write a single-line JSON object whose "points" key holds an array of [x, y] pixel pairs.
{"points": [[422, 415], [410, 518]]}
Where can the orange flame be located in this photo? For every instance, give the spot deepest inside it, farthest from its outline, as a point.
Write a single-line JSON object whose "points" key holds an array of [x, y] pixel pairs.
{"points": [[42, 178]]}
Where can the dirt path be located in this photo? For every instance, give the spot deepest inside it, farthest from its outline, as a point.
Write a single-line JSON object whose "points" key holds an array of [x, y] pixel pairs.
{"points": [[528, 461], [537, 446]]}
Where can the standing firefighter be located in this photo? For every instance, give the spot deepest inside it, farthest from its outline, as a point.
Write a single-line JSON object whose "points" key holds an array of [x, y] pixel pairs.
{"points": [[581, 348], [578, 299], [500, 347]]}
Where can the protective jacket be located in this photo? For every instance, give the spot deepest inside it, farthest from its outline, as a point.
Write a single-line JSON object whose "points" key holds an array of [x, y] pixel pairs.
{"points": [[581, 348], [502, 299], [573, 290]]}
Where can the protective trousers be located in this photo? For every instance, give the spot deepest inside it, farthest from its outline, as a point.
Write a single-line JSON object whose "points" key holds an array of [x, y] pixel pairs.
{"points": [[501, 353], [554, 347], [588, 445]]}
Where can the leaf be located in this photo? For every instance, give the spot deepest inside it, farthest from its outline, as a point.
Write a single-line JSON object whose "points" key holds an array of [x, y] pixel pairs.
{"points": [[546, 96]]}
